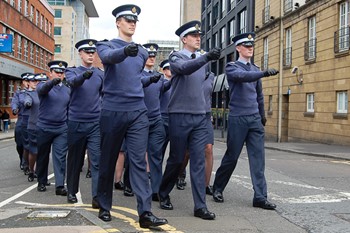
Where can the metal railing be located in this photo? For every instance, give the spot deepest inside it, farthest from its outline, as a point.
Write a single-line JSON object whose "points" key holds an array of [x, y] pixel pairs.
{"points": [[341, 40], [310, 49], [287, 57]]}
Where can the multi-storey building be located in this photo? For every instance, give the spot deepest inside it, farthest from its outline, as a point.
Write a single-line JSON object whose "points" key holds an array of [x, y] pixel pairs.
{"points": [[164, 50], [30, 22], [308, 41], [71, 26]]}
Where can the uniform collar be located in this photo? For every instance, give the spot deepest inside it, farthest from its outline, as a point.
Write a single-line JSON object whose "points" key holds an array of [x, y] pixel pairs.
{"points": [[243, 61]]}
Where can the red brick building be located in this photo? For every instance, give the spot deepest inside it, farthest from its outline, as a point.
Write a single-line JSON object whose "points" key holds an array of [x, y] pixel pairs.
{"points": [[30, 22]]}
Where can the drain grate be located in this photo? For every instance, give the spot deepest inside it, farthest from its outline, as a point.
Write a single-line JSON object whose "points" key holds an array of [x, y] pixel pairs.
{"points": [[49, 214]]}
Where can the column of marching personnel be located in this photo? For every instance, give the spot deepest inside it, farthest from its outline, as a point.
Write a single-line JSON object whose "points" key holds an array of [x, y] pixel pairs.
{"points": [[125, 115]]}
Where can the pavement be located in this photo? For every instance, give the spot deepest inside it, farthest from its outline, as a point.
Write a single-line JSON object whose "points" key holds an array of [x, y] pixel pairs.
{"points": [[306, 148]]}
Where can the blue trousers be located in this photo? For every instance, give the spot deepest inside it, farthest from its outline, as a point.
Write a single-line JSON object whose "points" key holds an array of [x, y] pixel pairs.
{"points": [[186, 131], [115, 127], [82, 136], [249, 130], [166, 129], [57, 138], [156, 138]]}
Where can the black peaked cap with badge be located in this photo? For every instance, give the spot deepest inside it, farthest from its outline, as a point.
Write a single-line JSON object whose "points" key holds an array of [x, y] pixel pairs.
{"points": [[165, 64], [25, 75], [58, 66], [192, 27], [246, 39], [128, 11], [88, 45], [151, 48], [40, 77]]}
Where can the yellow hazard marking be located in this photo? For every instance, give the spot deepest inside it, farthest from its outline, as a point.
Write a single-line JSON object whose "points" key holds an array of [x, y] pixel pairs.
{"points": [[342, 162]]}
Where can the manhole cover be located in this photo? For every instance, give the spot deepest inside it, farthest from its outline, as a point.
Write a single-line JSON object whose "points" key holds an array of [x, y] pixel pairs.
{"points": [[49, 214]]}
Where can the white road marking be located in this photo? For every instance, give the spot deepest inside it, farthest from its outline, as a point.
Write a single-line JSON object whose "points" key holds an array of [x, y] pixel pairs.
{"points": [[21, 193]]}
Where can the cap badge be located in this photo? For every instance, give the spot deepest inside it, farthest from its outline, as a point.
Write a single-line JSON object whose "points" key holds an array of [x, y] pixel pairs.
{"points": [[151, 48], [133, 10], [91, 43], [197, 27], [41, 75], [202, 51], [250, 37], [60, 64]]}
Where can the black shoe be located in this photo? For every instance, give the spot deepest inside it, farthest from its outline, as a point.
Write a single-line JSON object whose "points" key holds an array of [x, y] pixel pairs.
{"points": [[204, 213], [128, 192], [155, 197], [41, 187], [47, 184], [30, 176], [21, 166], [209, 190], [180, 184], [71, 198], [147, 220], [61, 191], [217, 196], [104, 215], [94, 203], [88, 174], [165, 204], [26, 171], [119, 185], [265, 205]]}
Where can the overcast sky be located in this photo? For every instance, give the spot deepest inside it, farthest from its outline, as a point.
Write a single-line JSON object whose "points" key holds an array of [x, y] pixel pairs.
{"points": [[158, 20]]}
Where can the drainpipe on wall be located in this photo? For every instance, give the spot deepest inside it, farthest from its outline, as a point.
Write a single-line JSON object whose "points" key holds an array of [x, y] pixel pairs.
{"points": [[280, 83]]}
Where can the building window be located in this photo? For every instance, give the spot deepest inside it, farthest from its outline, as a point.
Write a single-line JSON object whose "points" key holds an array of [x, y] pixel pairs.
{"points": [[266, 12], [342, 102], [50, 29], [31, 12], [41, 58], [37, 55], [26, 8], [58, 13], [19, 5], [310, 45], [57, 2], [12, 3], [231, 29], [310, 102], [243, 22], [270, 104], [288, 49], [57, 48], [203, 5], [215, 40], [232, 4], [215, 13], [57, 31], [32, 53], [265, 58], [222, 37], [11, 90], [209, 21], [223, 8], [25, 47], [37, 18], [19, 47], [41, 22], [343, 33], [288, 6], [208, 44]]}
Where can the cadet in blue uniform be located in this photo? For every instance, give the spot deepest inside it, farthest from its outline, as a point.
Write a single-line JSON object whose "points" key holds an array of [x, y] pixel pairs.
{"points": [[154, 86], [246, 122], [31, 101], [124, 115], [17, 109], [187, 120], [52, 127], [164, 101], [83, 119]]}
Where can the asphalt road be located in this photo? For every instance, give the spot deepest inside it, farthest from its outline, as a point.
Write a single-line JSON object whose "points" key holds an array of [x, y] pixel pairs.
{"points": [[312, 195]]}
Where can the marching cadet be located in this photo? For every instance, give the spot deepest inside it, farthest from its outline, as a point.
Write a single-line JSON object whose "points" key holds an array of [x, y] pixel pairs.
{"points": [[164, 101], [17, 109], [246, 122], [124, 115], [154, 86], [31, 101], [52, 127], [187, 120], [83, 119]]}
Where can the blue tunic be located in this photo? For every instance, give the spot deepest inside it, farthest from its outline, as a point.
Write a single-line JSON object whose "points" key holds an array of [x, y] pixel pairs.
{"points": [[85, 103], [164, 100], [15, 104], [54, 100], [208, 89], [188, 76], [122, 87], [31, 98], [246, 97], [153, 92]]}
